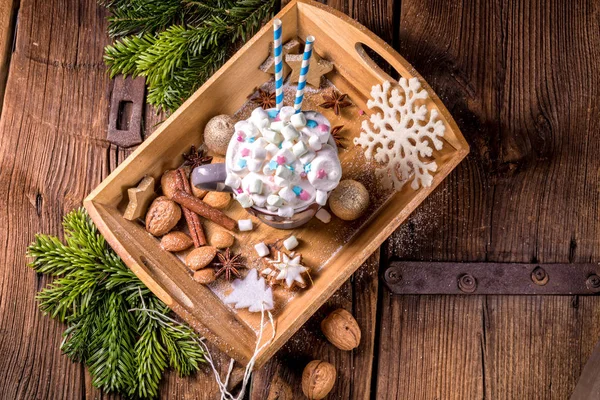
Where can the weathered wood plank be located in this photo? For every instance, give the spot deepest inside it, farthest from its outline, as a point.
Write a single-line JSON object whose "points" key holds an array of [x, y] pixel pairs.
{"points": [[521, 81], [8, 10], [53, 152]]}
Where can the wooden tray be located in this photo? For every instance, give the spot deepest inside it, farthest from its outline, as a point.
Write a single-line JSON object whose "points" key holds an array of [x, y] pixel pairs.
{"points": [[338, 248]]}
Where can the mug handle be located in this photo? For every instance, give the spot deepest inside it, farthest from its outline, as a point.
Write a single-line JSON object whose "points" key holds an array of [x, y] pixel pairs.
{"points": [[211, 177]]}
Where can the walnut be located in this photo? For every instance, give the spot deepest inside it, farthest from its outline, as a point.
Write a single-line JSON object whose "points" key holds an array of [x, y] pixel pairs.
{"points": [[162, 216], [341, 329], [318, 379]]}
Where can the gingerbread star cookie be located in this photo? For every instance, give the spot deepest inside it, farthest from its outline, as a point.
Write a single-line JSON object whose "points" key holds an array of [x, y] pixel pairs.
{"points": [[291, 47], [318, 67], [140, 198], [286, 270]]}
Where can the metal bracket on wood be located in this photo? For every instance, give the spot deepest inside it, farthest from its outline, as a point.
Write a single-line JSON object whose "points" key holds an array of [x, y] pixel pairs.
{"points": [[126, 111], [492, 278]]}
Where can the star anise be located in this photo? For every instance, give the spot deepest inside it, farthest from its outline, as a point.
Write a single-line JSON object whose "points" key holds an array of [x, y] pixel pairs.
{"points": [[265, 99], [196, 158], [229, 264], [335, 132], [335, 100]]}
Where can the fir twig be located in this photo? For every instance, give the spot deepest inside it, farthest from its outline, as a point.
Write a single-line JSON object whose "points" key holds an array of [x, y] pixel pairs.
{"points": [[93, 292]]}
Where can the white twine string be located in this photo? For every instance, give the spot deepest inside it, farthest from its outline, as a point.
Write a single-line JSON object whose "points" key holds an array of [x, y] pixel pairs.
{"points": [[225, 394]]}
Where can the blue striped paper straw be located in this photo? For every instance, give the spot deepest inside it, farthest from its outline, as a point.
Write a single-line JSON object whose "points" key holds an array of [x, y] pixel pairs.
{"points": [[303, 71], [277, 52]]}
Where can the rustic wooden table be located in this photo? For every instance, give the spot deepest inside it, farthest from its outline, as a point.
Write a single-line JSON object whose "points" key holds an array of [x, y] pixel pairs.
{"points": [[521, 79]]}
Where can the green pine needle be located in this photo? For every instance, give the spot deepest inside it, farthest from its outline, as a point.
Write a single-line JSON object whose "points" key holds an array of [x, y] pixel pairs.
{"points": [[180, 49], [94, 292]]}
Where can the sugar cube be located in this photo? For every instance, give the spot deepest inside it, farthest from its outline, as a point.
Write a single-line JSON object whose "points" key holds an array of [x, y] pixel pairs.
{"points": [[261, 249], [290, 243], [245, 225]]}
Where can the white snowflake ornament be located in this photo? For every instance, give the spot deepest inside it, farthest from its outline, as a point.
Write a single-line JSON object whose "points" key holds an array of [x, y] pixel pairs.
{"points": [[288, 269], [402, 135], [252, 293]]}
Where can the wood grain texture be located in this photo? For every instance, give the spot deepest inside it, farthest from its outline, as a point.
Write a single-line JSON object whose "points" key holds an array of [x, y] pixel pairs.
{"points": [[53, 152], [8, 9], [521, 81]]}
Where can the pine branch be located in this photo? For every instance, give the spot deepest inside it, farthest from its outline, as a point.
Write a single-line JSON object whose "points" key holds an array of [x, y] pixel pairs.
{"points": [[177, 60], [145, 16], [93, 293]]}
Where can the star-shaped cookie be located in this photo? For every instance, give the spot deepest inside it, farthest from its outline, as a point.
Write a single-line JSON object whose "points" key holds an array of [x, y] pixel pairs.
{"points": [[291, 47], [140, 198], [287, 269], [318, 67]]}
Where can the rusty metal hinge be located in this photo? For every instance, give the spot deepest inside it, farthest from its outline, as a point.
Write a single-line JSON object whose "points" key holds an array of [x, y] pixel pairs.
{"points": [[492, 278], [126, 111]]}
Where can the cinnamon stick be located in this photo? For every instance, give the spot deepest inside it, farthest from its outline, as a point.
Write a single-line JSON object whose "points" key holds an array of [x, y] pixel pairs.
{"points": [[192, 219], [201, 208]]}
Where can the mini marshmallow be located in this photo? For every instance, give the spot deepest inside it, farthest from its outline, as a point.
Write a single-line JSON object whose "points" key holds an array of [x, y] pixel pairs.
{"points": [[321, 197], [274, 200], [287, 194], [324, 137], [286, 113], [298, 120], [283, 172], [290, 243], [286, 211], [289, 132], [307, 157], [259, 200], [323, 216], [272, 136], [315, 143], [261, 249], [259, 152], [299, 149], [254, 165], [245, 225], [233, 181], [260, 142], [258, 114], [281, 182], [287, 144], [244, 200], [255, 186], [277, 125], [287, 155], [272, 149], [272, 208]]}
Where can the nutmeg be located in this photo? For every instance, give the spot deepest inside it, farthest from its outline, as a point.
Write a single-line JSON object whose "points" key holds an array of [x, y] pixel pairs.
{"points": [[341, 329], [200, 257], [205, 276], [221, 239], [218, 200], [163, 214], [176, 241], [318, 379]]}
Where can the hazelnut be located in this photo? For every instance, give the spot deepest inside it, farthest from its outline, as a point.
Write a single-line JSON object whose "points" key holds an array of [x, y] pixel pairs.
{"points": [[162, 216], [341, 329], [205, 276], [318, 379], [176, 241], [218, 200], [221, 239], [200, 257]]}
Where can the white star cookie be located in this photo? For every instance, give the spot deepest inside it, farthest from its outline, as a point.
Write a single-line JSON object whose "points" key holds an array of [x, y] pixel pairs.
{"points": [[285, 268]]}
